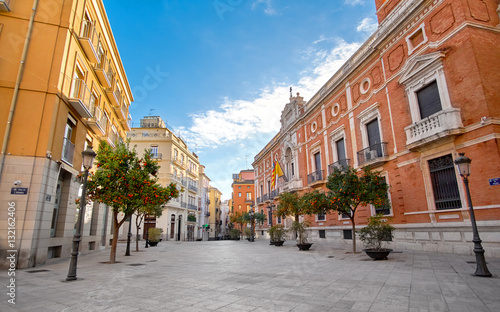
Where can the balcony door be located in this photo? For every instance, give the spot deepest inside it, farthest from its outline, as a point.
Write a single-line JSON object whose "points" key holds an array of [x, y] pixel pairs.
{"points": [[428, 100]]}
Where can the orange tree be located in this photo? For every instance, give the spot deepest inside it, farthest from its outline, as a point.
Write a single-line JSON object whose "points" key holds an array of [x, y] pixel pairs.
{"points": [[125, 182], [292, 204], [348, 191]]}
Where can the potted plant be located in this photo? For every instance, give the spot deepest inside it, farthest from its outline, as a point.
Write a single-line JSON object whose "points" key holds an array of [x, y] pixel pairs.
{"points": [[234, 234], [277, 233], [374, 234], [301, 229], [248, 233], [154, 236]]}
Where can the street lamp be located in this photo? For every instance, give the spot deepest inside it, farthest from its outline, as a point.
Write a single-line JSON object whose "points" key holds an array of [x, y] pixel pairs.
{"points": [[88, 159], [251, 213], [270, 207], [463, 166]]}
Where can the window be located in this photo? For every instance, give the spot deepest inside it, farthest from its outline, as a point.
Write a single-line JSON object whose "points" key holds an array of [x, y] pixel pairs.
{"points": [[322, 234], [384, 209], [289, 164], [428, 100], [317, 161], [249, 196], [68, 149], [426, 88], [239, 194], [321, 216], [278, 220], [154, 151], [444, 183]]}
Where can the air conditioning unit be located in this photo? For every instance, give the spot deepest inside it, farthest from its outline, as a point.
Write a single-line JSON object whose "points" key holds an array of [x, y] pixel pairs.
{"points": [[369, 155]]}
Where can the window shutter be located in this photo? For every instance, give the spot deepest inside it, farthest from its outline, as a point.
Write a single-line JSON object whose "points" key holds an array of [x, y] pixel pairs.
{"points": [[428, 100]]}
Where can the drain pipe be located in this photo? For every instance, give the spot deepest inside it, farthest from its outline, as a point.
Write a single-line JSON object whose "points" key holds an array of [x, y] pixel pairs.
{"points": [[16, 88]]}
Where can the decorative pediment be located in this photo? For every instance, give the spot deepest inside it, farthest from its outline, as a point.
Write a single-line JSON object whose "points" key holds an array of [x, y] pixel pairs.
{"points": [[291, 111], [419, 64]]}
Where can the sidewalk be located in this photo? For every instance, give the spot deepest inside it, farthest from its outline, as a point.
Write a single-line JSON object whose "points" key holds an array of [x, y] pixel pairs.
{"points": [[244, 276]]}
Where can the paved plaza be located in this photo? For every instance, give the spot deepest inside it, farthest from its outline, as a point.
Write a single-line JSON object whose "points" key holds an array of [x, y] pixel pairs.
{"points": [[244, 276]]}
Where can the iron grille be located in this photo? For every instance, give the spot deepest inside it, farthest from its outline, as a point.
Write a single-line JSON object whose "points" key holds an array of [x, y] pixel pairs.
{"points": [[444, 183]]}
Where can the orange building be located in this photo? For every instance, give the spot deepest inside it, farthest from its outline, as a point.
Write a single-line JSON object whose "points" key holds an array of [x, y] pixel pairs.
{"points": [[420, 90], [243, 191], [62, 88]]}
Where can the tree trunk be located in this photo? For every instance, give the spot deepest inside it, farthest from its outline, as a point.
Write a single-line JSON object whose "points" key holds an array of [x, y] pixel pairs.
{"points": [[112, 255], [353, 235], [116, 228]]}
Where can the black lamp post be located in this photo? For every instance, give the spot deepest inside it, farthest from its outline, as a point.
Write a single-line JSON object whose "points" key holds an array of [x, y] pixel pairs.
{"points": [[88, 159], [463, 165], [251, 213], [271, 207]]}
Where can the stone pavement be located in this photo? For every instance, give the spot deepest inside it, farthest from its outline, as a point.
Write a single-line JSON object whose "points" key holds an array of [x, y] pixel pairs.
{"points": [[244, 276]]}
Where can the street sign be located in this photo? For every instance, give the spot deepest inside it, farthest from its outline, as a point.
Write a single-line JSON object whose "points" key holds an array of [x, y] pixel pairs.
{"points": [[19, 190], [495, 181]]}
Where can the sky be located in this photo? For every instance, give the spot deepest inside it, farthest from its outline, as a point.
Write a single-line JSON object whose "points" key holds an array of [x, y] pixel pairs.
{"points": [[219, 72]]}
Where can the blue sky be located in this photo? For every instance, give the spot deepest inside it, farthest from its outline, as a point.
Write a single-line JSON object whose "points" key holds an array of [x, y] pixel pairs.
{"points": [[219, 71]]}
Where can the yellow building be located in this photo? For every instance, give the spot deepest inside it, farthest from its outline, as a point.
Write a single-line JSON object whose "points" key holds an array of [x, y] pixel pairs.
{"points": [[62, 88], [215, 221], [178, 165]]}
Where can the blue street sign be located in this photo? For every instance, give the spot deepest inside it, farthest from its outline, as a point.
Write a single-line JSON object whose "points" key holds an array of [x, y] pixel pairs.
{"points": [[495, 181], [19, 190]]}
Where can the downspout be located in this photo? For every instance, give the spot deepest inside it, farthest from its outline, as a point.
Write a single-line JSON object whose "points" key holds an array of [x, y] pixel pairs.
{"points": [[16, 88]]}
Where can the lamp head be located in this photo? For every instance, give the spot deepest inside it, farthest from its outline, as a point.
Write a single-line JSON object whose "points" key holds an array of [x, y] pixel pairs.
{"points": [[463, 164], [88, 157]]}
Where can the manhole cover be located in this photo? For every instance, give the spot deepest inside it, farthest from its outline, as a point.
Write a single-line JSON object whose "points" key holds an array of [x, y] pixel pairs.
{"points": [[38, 271], [136, 264]]}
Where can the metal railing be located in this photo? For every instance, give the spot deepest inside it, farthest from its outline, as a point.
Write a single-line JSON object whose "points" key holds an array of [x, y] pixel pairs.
{"points": [[275, 193], [89, 32], [68, 151], [193, 188], [193, 207], [80, 91], [105, 65], [342, 164], [315, 176], [373, 152]]}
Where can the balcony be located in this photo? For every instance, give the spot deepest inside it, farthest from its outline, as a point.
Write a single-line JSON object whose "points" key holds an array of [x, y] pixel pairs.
{"points": [[4, 5], [192, 207], [81, 98], [275, 193], [445, 123], [316, 178], [374, 155], [121, 112], [89, 39], [112, 138], [115, 96], [158, 156], [98, 123], [129, 122], [180, 163], [104, 71], [342, 164], [183, 204], [193, 188], [265, 197], [68, 151]]}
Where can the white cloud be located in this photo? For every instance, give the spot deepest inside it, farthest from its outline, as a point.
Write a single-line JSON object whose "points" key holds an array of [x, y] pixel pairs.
{"points": [[238, 120], [268, 6], [367, 25], [354, 2]]}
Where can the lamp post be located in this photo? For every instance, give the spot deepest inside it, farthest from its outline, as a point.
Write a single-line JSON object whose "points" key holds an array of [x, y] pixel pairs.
{"points": [[88, 159], [271, 207], [463, 166], [251, 213]]}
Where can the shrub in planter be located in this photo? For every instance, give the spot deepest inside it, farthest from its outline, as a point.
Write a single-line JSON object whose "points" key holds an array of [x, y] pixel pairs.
{"points": [[301, 229], [277, 233], [248, 233], [191, 218], [154, 236], [374, 234], [234, 234]]}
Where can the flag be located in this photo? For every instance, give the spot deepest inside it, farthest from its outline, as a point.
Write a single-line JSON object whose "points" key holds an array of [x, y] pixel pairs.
{"points": [[277, 173]]}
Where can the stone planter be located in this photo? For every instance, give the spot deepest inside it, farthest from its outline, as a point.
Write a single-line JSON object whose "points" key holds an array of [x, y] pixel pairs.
{"points": [[277, 243], [304, 246], [380, 254], [152, 244]]}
